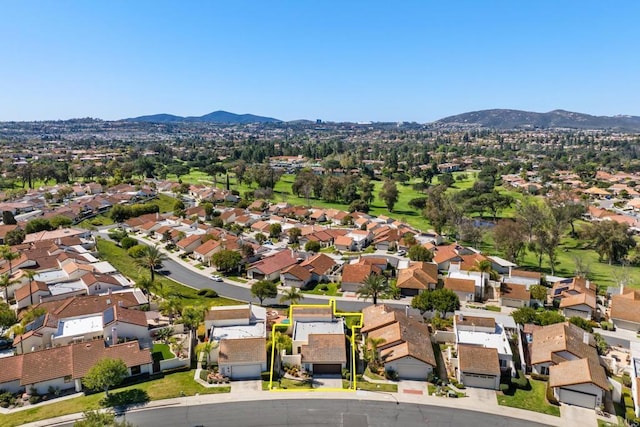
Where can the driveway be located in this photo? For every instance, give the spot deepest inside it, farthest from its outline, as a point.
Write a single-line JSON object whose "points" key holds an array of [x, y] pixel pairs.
{"points": [[247, 386], [327, 381], [577, 416]]}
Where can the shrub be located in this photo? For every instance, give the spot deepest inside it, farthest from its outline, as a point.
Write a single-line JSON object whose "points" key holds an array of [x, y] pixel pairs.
{"points": [[504, 387], [539, 377], [136, 251], [34, 399], [208, 293], [345, 373], [493, 308], [520, 381], [128, 242], [626, 379], [391, 374]]}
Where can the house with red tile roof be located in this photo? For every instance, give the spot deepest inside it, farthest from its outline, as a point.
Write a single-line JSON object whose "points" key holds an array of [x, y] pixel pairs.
{"points": [[269, 268], [65, 367], [417, 277], [353, 275]]}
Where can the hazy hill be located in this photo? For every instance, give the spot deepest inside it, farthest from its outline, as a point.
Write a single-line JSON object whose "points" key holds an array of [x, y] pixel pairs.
{"points": [[517, 119], [215, 117]]}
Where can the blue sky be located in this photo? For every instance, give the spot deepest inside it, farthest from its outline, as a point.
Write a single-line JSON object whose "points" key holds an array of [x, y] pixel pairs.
{"points": [[332, 60]]}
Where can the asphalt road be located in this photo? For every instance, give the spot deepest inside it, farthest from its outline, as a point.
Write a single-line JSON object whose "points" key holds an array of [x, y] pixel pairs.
{"points": [[318, 412], [181, 274]]}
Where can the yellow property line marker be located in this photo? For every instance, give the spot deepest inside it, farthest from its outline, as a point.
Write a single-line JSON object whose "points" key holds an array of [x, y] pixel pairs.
{"points": [[332, 305]]}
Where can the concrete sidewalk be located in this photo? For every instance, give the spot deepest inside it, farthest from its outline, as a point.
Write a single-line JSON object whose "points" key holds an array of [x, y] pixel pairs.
{"points": [[478, 400]]}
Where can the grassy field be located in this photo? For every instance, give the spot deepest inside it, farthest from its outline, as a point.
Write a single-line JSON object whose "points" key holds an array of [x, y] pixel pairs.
{"points": [[167, 387], [531, 400], [119, 258], [164, 202]]}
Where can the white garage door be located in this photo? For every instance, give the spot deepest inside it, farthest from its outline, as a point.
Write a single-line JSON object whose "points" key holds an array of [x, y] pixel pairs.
{"points": [[413, 372], [576, 398], [245, 372], [480, 381]]}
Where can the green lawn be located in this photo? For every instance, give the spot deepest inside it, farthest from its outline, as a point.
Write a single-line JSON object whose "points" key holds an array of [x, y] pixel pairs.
{"points": [[288, 384], [367, 386], [164, 388], [163, 350], [601, 273], [330, 289], [531, 400], [96, 222], [119, 258], [164, 202]]}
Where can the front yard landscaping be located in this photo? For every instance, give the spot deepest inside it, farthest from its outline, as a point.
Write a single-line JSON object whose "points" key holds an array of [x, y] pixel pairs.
{"points": [[171, 385], [329, 289], [289, 384], [531, 400], [361, 384]]}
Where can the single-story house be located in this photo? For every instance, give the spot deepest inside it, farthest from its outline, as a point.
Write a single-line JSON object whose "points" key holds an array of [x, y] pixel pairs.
{"points": [[625, 310], [580, 382], [478, 366], [514, 295], [241, 359]]}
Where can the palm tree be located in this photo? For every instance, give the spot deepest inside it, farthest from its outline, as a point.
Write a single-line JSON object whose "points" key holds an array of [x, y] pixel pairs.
{"points": [[485, 266], [171, 307], [373, 286], [371, 351], [147, 286], [292, 296], [206, 347], [152, 258], [5, 282], [30, 275], [9, 255]]}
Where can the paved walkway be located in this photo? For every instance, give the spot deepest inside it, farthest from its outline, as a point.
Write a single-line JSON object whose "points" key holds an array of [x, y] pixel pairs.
{"points": [[477, 400]]}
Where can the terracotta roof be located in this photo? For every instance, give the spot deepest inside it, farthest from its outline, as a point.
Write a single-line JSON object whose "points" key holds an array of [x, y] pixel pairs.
{"points": [[88, 304], [478, 360], [325, 348], [46, 365], [376, 316], [133, 317], [356, 273], [207, 247], [298, 272], [305, 311], [579, 371], [189, 240], [482, 322], [403, 336], [228, 313], [319, 264], [418, 275], [445, 253], [246, 350], [524, 273], [550, 341], [85, 355], [23, 292], [470, 262], [277, 262], [11, 368], [588, 299], [460, 285], [515, 291], [626, 306], [343, 241]]}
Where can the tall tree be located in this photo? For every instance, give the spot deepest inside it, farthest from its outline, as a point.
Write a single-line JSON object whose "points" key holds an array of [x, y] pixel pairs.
{"points": [[9, 256], [30, 275], [373, 286], [152, 259], [105, 374], [389, 194], [263, 289]]}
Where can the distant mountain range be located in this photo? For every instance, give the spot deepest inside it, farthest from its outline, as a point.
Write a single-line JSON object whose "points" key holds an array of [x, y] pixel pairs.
{"points": [[215, 117], [517, 119]]}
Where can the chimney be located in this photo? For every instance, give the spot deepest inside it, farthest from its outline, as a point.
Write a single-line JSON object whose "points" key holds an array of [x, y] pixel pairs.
{"points": [[622, 288], [406, 310], [586, 338], [114, 336]]}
